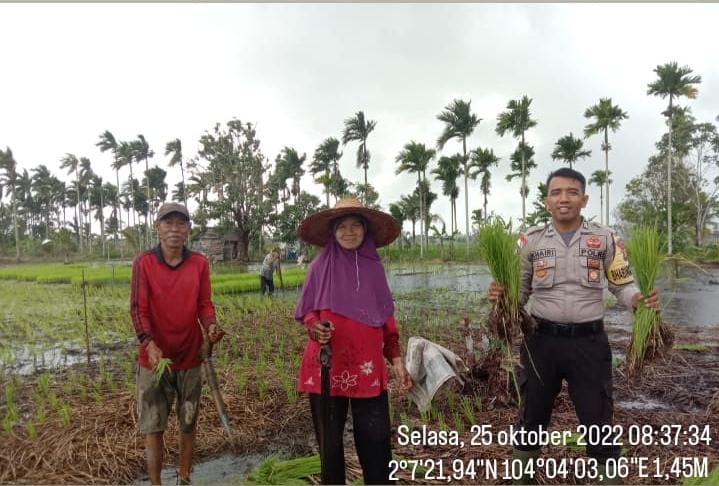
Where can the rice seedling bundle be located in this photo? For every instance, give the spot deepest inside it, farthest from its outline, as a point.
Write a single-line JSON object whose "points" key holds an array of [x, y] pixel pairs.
{"points": [[650, 337], [293, 471], [159, 370]]}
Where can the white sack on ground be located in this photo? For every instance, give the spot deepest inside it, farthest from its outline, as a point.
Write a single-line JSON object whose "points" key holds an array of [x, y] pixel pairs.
{"points": [[430, 366]]}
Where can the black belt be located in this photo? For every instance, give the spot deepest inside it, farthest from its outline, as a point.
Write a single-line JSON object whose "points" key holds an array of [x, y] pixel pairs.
{"points": [[579, 329]]}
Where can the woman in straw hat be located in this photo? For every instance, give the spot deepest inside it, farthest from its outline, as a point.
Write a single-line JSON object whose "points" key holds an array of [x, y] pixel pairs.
{"points": [[346, 302]]}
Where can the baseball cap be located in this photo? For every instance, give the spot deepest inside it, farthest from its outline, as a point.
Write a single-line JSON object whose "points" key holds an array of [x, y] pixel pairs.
{"points": [[172, 207]]}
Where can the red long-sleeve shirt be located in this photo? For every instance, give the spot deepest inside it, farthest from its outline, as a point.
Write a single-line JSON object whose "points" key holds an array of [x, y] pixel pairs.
{"points": [[166, 304], [357, 366]]}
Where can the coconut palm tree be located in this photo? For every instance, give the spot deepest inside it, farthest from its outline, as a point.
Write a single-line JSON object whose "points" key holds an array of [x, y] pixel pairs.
{"points": [[9, 166], [72, 164], [599, 178], [142, 151], [43, 184], [674, 82], [517, 119], [108, 143], [290, 162], [415, 157], [175, 148], [569, 149], [482, 161], [357, 129], [324, 162], [126, 157], [448, 171], [459, 123], [606, 117]]}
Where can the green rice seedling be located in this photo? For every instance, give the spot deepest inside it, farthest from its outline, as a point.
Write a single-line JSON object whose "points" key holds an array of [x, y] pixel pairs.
{"points": [[650, 337], [426, 416], [261, 388], [467, 410], [441, 424], [478, 403], [40, 414], [458, 423], [693, 348], [162, 365], [293, 471], [64, 413], [498, 249], [404, 419], [10, 419], [31, 431]]}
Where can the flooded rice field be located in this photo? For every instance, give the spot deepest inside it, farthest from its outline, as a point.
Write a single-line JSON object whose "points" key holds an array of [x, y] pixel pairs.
{"points": [[67, 423]]}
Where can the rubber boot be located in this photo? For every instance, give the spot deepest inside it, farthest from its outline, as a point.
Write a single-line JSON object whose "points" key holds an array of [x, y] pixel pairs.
{"points": [[602, 471], [525, 457]]}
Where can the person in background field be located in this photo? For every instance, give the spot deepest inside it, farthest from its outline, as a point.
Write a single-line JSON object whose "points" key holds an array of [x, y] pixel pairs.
{"points": [[346, 302], [566, 265], [269, 265], [169, 301]]}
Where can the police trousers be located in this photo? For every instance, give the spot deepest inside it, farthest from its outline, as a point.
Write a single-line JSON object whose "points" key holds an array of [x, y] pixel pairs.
{"points": [[586, 363]]}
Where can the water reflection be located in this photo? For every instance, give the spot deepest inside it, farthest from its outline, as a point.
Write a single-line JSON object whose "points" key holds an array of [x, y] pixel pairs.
{"points": [[692, 300]]}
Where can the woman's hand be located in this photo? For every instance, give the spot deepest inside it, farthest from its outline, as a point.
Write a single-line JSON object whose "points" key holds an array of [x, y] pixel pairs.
{"points": [[404, 381], [322, 331]]}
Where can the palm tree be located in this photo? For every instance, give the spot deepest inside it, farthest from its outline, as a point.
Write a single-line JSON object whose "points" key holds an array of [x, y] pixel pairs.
{"points": [[86, 175], [415, 157], [448, 171], [72, 164], [142, 151], [459, 122], [108, 142], [325, 160], [673, 82], [481, 164], [43, 185], [517, 120], [599, 178], [175, 148], [290, 162], [9, 167], [569, 150], [126, 156], [397, 212], [606, 116], [357, 129]]}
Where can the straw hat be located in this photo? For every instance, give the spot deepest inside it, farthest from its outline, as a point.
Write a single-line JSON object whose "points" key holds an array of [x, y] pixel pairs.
{"points": [[316, 229]]}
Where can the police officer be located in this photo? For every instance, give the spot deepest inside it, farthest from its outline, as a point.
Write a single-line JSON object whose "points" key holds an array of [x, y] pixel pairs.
{"points": [[566, 265]]}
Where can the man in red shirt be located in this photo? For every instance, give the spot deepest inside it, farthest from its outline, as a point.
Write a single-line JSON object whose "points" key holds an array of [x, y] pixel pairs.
{"points": [[170, 298]]}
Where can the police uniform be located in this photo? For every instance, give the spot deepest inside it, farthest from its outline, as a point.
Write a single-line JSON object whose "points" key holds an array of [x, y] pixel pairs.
{"points": [[564, 286]]}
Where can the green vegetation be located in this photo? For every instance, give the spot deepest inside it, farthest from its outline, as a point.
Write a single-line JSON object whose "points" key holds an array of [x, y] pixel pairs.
{"points": [[648, 335], [693, 348], [499, 250], [293, 471]]}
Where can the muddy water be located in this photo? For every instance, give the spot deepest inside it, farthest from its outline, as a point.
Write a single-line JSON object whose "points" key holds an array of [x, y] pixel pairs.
{"points": [[691, 300]]}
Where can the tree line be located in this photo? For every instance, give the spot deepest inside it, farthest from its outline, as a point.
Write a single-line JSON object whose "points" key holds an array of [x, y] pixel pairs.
{"points": [[239, 191]]}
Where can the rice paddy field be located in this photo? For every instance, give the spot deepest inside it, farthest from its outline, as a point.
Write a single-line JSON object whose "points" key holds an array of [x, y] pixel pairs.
{"points": [[67, 421]]}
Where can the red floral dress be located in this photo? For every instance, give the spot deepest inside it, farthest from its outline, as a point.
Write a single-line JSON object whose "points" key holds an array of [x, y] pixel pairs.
{"points": [[358, 368]]}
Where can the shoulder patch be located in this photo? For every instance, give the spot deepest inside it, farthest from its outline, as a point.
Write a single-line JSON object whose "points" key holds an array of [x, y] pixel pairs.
{"points": [[619, 272]]}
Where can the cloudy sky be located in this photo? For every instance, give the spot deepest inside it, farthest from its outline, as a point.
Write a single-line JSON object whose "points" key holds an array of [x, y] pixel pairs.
{"points": [[71, 71]]}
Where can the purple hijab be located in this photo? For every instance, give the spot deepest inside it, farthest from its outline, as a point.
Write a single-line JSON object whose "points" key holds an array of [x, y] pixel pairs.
{"points": [[351, 283]]}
